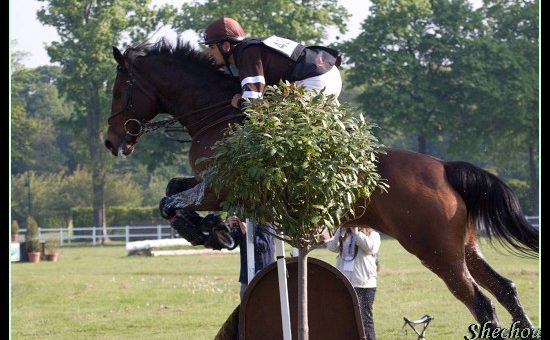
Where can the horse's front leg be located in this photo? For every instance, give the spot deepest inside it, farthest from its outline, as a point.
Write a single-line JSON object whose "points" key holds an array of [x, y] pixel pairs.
{"points": [[182, 192], [185, 196]]}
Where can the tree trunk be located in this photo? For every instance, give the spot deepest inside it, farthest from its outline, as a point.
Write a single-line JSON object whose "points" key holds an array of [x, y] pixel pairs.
{"points": [[97, 155], [303, 324], [534, 190]]}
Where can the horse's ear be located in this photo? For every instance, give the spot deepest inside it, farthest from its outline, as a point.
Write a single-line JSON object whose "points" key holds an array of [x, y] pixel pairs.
{"points": [[120, 58]]}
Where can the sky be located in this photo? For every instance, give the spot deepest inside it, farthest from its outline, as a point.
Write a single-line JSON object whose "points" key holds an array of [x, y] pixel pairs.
{"points": [[31, 36]]}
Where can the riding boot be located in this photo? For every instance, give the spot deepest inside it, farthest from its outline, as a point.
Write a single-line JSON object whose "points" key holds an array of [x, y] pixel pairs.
{"points": [[219, 235], [188, 224]]}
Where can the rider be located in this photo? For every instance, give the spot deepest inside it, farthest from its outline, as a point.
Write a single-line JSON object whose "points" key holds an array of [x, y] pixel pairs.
{"points": [[265, 61], [258, 63]]}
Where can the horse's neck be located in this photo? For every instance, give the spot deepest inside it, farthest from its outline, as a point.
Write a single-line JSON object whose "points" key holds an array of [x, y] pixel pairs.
{"points": [[184, 95], [172, 94], [206, 109]]}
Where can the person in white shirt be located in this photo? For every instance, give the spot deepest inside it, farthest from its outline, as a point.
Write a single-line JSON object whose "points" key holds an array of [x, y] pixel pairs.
{"points": [[357, 259]]}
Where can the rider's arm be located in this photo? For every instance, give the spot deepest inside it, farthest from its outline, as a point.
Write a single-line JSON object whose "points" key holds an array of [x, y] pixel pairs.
{"points": [[251, 73]]}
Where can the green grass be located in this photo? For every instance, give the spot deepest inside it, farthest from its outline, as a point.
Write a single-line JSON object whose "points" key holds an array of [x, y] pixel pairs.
{"points": [[101, 293]]}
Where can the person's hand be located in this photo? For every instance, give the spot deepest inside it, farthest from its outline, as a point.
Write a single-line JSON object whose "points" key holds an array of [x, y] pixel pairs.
{"points": [[235, 221], [366, 230], [236, 101]]}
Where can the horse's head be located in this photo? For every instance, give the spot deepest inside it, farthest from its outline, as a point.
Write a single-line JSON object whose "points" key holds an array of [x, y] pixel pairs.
{"points": [[134, 104], [180, 81]]}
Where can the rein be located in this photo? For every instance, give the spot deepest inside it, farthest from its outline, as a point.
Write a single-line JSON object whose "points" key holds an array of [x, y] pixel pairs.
{"points": [[216, 122]]}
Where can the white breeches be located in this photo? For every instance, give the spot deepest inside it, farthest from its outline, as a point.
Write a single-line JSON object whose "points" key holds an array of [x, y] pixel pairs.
{"points": [[330, 81]]}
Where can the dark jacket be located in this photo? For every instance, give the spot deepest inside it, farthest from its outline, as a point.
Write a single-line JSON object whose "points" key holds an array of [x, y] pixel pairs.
{"points": [[264, 248], [261, 65]]}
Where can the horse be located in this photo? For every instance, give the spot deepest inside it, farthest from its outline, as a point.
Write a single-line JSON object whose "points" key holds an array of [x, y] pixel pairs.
{"points": [[433, 208]]}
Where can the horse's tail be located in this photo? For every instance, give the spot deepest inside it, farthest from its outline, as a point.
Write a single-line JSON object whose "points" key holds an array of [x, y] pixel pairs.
{"points": [[493, 208]]}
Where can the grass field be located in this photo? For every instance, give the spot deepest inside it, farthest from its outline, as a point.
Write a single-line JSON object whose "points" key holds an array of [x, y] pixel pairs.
{"points": [[101, 293]]}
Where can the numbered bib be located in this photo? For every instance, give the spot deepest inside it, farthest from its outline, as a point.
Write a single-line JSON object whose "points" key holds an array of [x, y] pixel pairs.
{"points": [[285, 46]]}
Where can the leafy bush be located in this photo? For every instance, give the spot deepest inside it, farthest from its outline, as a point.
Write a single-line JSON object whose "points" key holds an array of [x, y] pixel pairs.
{"points": [[300, 161]]}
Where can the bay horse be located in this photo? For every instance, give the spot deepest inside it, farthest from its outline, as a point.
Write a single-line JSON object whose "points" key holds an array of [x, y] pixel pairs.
{"points": [[434, 208]]}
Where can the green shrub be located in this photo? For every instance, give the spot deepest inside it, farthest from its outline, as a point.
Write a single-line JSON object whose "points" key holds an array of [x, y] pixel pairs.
{"points": [[300, 162], [31, 235], [14, 227], [50, 246], [53, 220], [33, 245], [118, 216], [32, 232]]}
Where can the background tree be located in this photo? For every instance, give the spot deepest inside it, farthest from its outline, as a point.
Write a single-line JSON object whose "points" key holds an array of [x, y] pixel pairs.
{"points": [[305, 21], [404, 58], [21, 125], [69, 190], [87, 30], [499, 77], [466, 80], [158, 156]]}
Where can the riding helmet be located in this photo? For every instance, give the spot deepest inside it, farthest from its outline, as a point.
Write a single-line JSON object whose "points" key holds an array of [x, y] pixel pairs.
{"points": [[224, 29]]}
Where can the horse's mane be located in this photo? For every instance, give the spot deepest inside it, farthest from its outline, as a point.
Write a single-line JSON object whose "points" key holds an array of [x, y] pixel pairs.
{"points": [[183, 49], [183, 54]]}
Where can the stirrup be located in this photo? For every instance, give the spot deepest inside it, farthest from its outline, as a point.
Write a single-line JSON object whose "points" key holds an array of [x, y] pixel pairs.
{"points": [[424, 320]]}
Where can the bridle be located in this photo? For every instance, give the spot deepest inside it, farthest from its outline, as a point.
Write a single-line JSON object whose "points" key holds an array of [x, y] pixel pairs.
{"points": [[135, 128]]}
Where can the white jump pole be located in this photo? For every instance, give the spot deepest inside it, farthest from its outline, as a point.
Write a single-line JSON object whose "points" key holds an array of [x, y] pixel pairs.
{"points": [[281, 272], [250, 250], [283, 288]]}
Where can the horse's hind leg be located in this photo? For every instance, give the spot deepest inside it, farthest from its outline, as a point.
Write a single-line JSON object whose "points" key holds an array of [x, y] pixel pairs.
{"points": [[502, 288], [450, 266]]}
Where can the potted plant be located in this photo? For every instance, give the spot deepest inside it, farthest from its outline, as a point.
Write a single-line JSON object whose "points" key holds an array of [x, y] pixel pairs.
{"points": [[14, 231], [51, 250], [32, 243], [33, 250]]}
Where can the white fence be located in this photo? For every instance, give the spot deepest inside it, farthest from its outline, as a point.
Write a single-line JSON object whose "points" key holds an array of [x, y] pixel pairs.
{"points": [[95, 235], [131, 233]]}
